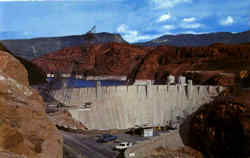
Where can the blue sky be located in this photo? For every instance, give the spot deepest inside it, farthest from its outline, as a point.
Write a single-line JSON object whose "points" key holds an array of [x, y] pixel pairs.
{"points": [[135, 20]]}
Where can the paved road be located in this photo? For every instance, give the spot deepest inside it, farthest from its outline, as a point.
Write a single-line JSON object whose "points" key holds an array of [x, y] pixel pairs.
{"points": [[88, 147]]}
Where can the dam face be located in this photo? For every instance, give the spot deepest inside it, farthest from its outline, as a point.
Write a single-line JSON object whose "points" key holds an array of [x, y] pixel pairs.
{"points": [[122, 107]]}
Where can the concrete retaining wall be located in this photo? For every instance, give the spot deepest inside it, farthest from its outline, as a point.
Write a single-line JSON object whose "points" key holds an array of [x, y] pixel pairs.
{"points": [[122, 107], [145, 148]]}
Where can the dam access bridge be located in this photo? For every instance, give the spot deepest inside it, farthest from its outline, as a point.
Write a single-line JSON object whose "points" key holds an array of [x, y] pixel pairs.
{"points": [[128, 106]]}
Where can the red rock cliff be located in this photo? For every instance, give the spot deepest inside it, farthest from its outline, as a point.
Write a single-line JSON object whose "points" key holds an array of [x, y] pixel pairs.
{"points": [[147, 62]]}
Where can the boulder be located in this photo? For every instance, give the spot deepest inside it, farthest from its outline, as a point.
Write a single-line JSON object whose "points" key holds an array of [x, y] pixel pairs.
{"points": [[24, 127]]}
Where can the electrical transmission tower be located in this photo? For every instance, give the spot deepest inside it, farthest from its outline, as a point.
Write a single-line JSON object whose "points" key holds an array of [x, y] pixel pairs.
{"points": [[92, 30], [90, 36]]}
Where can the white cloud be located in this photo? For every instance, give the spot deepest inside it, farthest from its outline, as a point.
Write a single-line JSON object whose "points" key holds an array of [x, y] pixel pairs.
{"points": [[191, 25], [228, 21], [192, 19], [160, 4], [169, 27], [164, 17], [122, 28], [133, 35]]}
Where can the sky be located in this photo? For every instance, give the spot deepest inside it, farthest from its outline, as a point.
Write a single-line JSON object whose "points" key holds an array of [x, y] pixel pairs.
{"points": [[135, 20]]}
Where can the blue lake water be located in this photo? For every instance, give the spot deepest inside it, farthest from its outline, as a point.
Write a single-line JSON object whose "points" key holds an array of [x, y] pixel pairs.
{"points": [[77, 83]]}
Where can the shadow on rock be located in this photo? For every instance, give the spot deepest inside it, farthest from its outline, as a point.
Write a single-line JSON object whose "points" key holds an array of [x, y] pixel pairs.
{"points": [[216, 130]]}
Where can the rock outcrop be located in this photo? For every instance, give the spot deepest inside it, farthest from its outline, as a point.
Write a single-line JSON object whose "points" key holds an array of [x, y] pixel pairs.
{"points": [[211, 78], [63, 120], [25, 129], [106, 59], [221, 129]]}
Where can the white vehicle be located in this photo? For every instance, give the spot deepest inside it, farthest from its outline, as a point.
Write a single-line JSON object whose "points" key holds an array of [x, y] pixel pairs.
{"points": [[123, 146]]}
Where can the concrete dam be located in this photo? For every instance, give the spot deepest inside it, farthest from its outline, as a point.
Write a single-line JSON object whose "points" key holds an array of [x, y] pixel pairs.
{"points": [[122, 107]]}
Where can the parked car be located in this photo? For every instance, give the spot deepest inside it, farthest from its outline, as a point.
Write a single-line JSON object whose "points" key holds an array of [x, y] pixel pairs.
{"points": [[106, 138], [123, 146]]}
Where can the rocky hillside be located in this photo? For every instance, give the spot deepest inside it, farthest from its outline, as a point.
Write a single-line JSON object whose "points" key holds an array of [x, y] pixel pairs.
{"points": [[156, 63], [34, 48], [200, 39], [25, 130]]}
